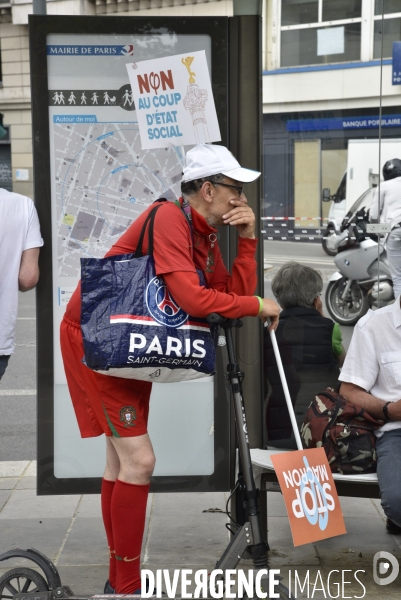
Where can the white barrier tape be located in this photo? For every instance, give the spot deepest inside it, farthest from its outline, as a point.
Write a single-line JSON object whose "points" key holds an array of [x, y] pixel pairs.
{"points": [[277, 231], [289, 230], [294, 218], [295, 238]]}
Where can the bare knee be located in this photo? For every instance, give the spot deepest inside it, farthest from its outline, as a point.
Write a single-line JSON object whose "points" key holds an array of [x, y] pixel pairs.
{"points": [[137, 459], [147, 465], [138, 469]]}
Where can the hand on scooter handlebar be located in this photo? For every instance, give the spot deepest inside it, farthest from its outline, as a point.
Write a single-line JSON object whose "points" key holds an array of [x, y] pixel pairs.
{"points": [[271, 311]]}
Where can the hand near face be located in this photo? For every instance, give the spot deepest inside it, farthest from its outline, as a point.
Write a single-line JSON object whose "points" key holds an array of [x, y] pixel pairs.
{"points": [[242, 217]]}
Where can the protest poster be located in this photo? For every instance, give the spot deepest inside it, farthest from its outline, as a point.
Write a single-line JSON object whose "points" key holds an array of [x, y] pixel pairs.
{"points": [[309, 494], [174, 101]]}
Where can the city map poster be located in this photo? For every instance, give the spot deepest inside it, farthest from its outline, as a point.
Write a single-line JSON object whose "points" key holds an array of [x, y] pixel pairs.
{"points": [[103, 181], [174, 101], [309, 494]]}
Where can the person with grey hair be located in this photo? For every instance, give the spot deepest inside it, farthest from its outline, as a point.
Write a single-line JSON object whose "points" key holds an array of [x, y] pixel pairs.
{"points": [[310, 346]]}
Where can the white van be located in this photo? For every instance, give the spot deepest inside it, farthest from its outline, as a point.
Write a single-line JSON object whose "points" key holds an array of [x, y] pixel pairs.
{"points": [[362, 173]]}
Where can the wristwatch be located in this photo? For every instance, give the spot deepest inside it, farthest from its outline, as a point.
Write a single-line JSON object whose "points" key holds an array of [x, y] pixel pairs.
{"points": [[385, 412]]}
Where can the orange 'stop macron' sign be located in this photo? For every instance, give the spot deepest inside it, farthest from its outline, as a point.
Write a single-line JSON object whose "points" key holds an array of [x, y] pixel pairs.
{"points": [[310, 495]]}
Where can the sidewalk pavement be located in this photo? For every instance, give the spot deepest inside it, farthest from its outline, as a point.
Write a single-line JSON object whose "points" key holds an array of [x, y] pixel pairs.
{"points": [[184, 531]]}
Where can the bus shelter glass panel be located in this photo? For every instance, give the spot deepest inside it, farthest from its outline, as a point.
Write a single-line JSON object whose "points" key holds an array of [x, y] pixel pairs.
{"points": [[101, 181], [326, 138]]}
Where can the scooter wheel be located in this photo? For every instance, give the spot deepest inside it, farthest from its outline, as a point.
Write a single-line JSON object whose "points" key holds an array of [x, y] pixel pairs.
{"points": [[21, 581]]}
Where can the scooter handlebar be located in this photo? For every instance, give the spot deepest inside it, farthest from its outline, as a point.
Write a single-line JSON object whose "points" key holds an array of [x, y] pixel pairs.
{"points": [[216, 319]]}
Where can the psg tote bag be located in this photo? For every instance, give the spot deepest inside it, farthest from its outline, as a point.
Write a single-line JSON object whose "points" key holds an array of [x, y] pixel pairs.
{"points": [[131, 325]]}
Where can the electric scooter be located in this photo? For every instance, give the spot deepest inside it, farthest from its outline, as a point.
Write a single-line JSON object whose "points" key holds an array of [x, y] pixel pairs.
{"points": [[248, 538]]}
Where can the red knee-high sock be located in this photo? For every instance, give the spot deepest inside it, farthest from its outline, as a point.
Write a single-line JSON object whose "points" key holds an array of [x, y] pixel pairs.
{"points": [[106, 495], [128, 510]]}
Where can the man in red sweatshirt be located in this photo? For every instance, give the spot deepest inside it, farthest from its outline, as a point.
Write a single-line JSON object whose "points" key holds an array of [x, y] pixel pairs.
{"points": [[185, 239]]}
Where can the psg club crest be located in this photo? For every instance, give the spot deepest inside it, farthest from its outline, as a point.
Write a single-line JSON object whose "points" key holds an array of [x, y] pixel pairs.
{"points": [[162, 306], [128, 416]]}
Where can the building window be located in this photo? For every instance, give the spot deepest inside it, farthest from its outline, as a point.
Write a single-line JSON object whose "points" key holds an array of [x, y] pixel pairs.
{"points": [[389, 27], [316, 32], [336, 10], [6, 180], [390, 6], [321, 45], [299, 13]]}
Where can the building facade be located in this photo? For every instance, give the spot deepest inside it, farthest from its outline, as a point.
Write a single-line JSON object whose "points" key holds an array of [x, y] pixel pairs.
{"points": [[322, 79], [327, 69], [16, 161]]}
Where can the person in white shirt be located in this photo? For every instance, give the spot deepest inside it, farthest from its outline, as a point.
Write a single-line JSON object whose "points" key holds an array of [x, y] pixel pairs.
{"points": [[20, 241], [389, 211], [371, 377]]}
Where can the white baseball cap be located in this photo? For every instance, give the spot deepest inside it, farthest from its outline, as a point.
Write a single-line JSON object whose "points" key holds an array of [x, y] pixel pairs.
{"points": [[204, 160]]}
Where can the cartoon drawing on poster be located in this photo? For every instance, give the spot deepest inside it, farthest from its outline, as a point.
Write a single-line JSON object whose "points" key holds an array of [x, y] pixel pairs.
{"points": [[195, 102], [174, 101]]}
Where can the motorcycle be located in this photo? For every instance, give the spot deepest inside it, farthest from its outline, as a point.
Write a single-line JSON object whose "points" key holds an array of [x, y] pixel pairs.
{"points": [[363, 280]]}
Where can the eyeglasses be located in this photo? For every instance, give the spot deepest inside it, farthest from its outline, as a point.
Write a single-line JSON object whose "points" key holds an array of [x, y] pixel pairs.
{"points": [[239, 188]]}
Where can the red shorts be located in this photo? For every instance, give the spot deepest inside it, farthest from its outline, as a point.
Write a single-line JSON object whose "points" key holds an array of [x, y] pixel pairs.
{"points": [[111, 405]]}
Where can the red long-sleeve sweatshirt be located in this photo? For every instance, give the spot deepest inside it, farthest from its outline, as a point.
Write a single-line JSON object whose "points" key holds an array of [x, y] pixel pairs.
{"points": [[178, 253]]}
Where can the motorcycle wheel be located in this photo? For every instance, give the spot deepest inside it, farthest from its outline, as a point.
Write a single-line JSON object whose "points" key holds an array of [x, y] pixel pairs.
{"points": [[350, 310], [326, 233]]}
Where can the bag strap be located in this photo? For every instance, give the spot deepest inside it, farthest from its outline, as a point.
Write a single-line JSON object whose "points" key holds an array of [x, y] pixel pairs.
{"points": [[189, 221], [337, 400], [151, 220]]}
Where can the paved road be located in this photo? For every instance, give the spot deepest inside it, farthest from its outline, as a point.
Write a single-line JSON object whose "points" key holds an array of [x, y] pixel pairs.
{"points": [[277, 253], [18, 407], [17, 388]]}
